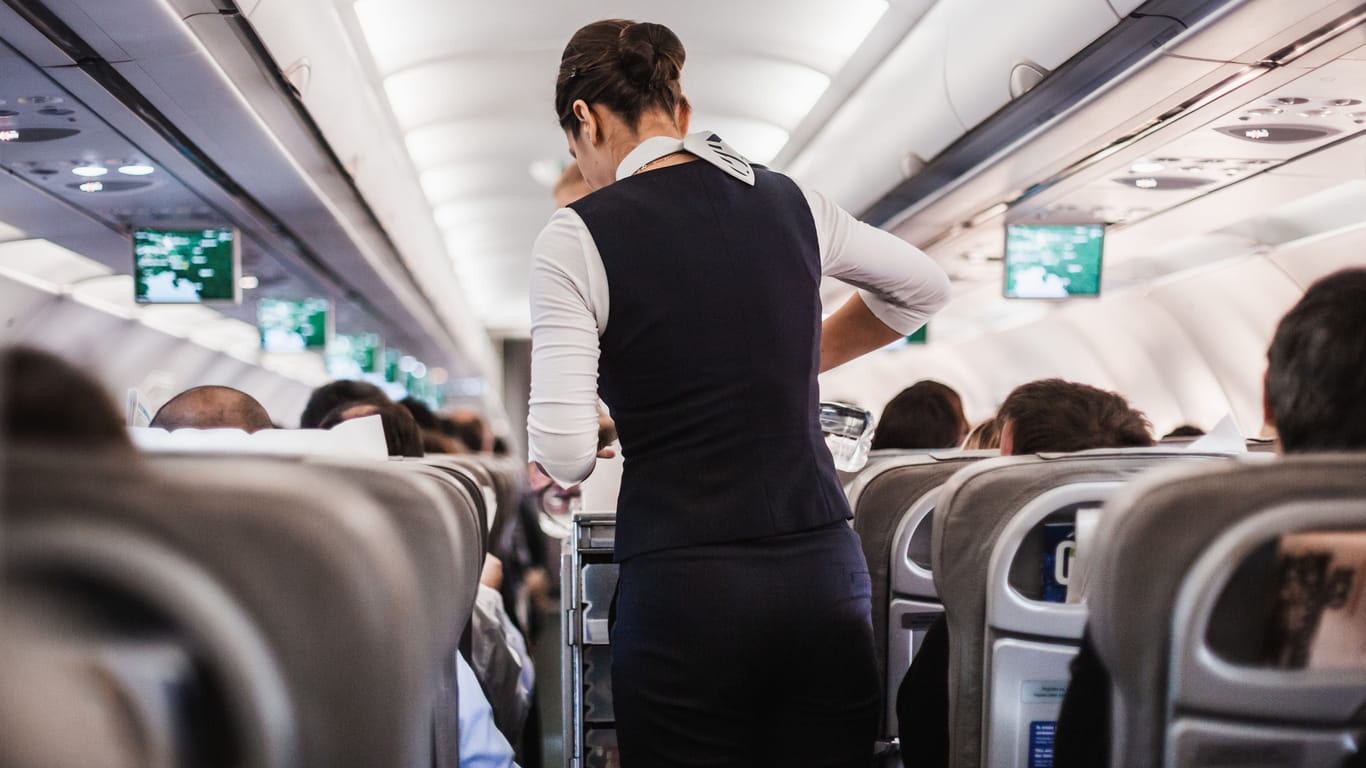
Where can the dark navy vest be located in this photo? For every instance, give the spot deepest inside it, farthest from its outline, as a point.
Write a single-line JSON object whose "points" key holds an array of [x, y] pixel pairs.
{"points": [[710, 356]]}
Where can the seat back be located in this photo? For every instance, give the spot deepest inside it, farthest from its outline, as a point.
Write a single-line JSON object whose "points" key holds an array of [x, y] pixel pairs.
{"points": [[1189, 568], [1010, 650], [318, 568], [893, 501]]}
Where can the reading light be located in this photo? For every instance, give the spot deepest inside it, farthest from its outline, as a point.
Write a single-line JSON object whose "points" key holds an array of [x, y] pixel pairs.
{"points": [[9, 135], [1146, 166], [136, 169], [92, 186], [90, 171], [248, 282], [1145, 183]]}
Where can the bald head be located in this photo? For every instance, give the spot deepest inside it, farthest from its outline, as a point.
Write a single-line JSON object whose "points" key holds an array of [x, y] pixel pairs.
{"points": [[212, 407]]}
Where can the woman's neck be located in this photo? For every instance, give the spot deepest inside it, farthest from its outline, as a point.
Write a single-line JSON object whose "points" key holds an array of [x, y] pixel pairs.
{"points": [[651, 125]]}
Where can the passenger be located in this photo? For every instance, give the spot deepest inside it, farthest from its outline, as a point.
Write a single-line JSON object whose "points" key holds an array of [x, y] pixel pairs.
{"points": [[212, 407], [401, 434], [482, 745], [1185, 430], [1046, 416], [1315, 397], [469, 430], [571, 186], [985, 436], [328, 397], [433, 439], [47, 400], [926, 414], [743, 631], [1056, 416]]}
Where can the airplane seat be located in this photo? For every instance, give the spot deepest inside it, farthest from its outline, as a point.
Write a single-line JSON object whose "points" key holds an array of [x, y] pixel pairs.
{"points": [[118, 650], [1171, 615], [471, 479], [893, 501], [314, 563], [1010, 647]]}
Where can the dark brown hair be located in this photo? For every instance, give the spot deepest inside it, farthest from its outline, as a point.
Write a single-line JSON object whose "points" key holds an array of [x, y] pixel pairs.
{"points": [[401, 434], [47, 400], [1316, 367], [1052, 415], [926, 414], [626, 66]]}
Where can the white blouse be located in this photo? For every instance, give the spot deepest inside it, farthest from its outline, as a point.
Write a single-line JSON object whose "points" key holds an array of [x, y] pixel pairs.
{"points": [[901, 285]]}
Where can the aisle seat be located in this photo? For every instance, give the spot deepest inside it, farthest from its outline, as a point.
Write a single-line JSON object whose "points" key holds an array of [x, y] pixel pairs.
{"points": [[893, 500], [316, 569]]}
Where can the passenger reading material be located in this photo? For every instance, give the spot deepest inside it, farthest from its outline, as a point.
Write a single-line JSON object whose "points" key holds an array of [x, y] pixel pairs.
{"points": [[174, 266], [293, 326], [1050, 261]]}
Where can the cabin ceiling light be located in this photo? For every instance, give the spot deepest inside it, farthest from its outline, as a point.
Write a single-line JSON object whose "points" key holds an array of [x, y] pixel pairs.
{"points": [[1290, 100], [92, 186], [1343, 102], [1276, 134], [9, 135], [1146, 166], [136, 169], [90, 171], [248, 282], [1162, 183], [1316, 113]]}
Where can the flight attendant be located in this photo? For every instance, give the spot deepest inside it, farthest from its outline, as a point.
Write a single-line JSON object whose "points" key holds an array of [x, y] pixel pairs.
{"points": [[685, 290]]}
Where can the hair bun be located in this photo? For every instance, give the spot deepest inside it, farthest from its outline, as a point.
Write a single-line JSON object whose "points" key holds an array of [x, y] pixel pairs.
{"points": [[651, 55]]}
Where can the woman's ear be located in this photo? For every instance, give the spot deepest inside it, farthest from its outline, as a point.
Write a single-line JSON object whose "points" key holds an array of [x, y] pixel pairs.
{"points": [[588, 122]]}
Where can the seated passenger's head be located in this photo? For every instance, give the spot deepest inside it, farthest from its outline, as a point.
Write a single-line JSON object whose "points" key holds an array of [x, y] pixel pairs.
{"points": [[44, 399], [401, 435], [212, 407], [926, 414], [571, 186], [984, 436], [1056, 416], [326, 398], [468, 428], [1185, 430], [1316, 368]]}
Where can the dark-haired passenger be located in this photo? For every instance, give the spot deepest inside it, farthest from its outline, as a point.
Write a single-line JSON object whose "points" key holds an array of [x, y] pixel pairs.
{"points": [[1046, 416], [687, 287], [46, 400], [1184, 431], [1315, 397], [328, 397], [925, 415], [1056, 416], [433, 439], [401, 435], [212, 407]]}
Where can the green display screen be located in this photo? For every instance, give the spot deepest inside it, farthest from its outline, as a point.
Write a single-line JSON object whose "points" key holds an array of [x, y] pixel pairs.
{"points": [[350, 355], [185, 266], [1053, 261], [921, 335], [391, 357], [293, 326]]}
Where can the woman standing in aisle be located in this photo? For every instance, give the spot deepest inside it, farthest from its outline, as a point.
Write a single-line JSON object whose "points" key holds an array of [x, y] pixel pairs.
{"points": [[685, 289]]}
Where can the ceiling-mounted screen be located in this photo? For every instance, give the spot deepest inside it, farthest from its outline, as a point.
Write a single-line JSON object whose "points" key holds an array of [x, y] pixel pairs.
{"points": [[351, 355], [186, 266], [1053, 261], [293, 326]]}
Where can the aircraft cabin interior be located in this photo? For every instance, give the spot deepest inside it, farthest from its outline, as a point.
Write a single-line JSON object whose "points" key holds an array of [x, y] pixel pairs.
{"points": [[285, 403]]}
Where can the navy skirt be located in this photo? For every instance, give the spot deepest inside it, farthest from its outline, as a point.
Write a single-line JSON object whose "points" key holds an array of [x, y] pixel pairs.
{"points": [[749, 653]]}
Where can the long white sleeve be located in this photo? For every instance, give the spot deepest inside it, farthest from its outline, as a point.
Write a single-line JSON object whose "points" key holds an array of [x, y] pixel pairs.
{"points": [[901, 285], [569, 304]]}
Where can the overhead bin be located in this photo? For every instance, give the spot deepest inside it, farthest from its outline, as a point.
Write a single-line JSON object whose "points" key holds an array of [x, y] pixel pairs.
{"points": [[902, 112], [987, 40]]}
